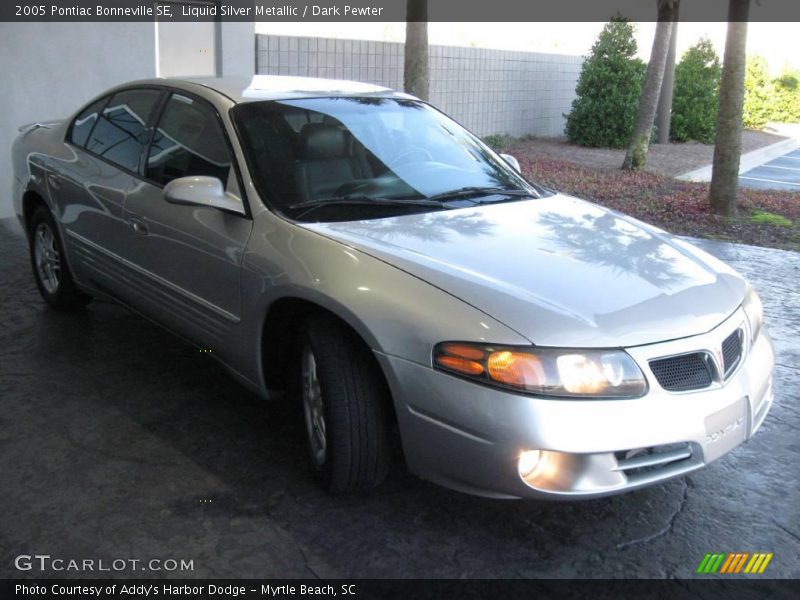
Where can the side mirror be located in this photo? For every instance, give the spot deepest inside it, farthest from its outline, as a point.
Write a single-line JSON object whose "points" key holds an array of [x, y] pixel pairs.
{"points": [[202, 191], [512, 161]]}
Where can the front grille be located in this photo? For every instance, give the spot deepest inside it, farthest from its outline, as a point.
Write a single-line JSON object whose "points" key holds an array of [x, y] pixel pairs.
{"points": [[732, 352], [683, 372]]}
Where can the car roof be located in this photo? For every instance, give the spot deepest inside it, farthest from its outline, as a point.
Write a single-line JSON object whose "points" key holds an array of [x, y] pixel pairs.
{"points": [[280, 87]]}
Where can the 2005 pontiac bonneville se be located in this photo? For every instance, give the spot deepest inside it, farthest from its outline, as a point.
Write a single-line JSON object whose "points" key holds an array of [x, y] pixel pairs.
{"points": [[360, 244]]}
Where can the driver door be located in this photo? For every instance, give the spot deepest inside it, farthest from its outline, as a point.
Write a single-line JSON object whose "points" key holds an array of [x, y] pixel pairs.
{"points": [[188, 258]]}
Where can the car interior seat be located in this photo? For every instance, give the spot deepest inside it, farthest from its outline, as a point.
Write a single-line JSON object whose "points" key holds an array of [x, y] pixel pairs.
{"points": [[325, 161]]}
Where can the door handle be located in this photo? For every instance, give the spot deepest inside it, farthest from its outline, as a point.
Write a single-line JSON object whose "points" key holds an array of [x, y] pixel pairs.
{"points": [[139, 227]]}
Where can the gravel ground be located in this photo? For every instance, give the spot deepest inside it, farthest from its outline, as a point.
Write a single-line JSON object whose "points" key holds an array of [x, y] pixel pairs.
{"points": [[118, 440], [666, 159]]}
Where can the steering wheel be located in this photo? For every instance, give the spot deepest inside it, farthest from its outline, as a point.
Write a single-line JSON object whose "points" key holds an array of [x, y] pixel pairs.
{"points": [[405, 155]]}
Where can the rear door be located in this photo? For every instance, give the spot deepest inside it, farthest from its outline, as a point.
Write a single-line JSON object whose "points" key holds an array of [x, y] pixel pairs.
{"points": [[188, 257], [106, 143]]}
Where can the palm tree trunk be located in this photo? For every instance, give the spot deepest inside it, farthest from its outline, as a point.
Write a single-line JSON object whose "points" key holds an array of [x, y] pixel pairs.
{"points": [[664, 110], [415, 73], [636, 156], [728, 141]]}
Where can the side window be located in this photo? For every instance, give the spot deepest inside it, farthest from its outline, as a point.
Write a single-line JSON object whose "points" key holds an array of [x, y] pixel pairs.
{"points": [[121, 131], [82, 125], [188, 141]]}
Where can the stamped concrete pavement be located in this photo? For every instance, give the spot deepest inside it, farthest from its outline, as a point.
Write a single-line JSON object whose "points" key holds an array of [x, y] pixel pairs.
{"points": [[118, 440]]}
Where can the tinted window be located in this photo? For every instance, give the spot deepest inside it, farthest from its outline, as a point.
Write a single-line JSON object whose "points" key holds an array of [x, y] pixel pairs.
{"points": [[188, 141], [121, 131], [83, 123]]}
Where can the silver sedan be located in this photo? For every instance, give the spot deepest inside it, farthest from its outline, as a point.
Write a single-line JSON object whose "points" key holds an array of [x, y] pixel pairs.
{"points": [[355, 251]]}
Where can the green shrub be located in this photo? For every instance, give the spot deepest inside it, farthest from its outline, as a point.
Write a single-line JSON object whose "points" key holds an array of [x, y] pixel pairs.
{"points": [[696, 94], [786, 99], [497, 141], [758, 93], [608, 90], [767, 99]]}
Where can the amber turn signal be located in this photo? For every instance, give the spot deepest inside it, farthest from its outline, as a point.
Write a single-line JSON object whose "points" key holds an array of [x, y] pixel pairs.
{"points": [[461, 358], [460, 365]]}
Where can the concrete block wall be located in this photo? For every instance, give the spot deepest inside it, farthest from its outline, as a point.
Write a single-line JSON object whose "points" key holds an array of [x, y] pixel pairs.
{"points": [[488, 91]]}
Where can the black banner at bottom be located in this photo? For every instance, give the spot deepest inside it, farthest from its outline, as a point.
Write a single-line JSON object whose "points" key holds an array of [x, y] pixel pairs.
{"points": [[362, 589]]}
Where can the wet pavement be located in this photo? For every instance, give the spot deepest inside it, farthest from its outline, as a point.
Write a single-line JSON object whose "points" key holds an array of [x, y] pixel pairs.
{"points": [[118, 440], [782, 173]]}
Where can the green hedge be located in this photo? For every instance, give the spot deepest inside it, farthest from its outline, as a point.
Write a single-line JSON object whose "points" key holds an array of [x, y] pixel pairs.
{"points": [[786, 103], [767, 98], [696, 94], [758, 91], [608, 90]]}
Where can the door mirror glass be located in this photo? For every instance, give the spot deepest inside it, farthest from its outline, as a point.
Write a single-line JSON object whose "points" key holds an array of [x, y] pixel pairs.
{"points": [[201, 190], [512, 161]]}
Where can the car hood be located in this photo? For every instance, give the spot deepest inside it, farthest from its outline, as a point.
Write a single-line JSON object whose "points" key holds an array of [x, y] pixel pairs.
{"points": [[558, 270]]}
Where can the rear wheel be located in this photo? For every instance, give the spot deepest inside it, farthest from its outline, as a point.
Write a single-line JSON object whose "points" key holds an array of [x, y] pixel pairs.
{"points": [[50, 269], [344, 407]]}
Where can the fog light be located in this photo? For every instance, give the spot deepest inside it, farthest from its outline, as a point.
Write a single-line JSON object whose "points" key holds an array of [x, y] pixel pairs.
{"points": [[528, 461]]}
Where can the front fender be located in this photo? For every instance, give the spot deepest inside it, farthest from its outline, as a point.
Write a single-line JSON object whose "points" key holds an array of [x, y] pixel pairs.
{"points": [[397, 314]]}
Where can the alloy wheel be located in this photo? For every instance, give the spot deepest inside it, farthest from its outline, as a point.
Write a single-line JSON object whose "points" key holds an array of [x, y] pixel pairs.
{"points": [[48, 258], [314, 408]]}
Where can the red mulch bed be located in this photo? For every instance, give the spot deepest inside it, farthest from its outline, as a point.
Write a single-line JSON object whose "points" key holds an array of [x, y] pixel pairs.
{"points": [[677, 206]]}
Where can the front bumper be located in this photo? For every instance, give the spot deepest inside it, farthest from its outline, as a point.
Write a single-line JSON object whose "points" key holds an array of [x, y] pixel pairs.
{"points": [[469, 437]]}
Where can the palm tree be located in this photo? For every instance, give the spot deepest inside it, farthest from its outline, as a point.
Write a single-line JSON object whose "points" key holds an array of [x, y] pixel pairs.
{"points": [[636, 156], [415, 73], [728, 142]]}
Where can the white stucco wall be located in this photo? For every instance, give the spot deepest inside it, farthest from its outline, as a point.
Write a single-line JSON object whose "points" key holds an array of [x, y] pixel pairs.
{"points": [[50, 69]]}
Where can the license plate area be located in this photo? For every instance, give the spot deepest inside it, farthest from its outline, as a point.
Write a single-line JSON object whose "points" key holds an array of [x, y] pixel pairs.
{"points": [[725, 429]]}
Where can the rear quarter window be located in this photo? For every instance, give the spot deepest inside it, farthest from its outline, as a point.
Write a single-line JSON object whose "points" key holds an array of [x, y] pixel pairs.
{"points": [[83, 124], [121, 131]]}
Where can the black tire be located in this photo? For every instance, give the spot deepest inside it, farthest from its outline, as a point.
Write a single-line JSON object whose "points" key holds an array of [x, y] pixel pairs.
{"points": [[50, 269], [355, 404]]}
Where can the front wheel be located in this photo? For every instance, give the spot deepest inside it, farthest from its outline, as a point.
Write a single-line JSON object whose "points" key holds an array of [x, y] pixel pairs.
{"points": [[345, 404], [50, 269]]}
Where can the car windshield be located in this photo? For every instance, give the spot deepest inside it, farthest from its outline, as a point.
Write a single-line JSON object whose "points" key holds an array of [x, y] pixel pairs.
{"points": [[342, 158]]}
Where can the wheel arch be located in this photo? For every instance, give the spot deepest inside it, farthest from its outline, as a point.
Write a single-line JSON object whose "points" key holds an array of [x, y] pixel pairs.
{"points": [[281, 320], [31, 200], [278, 331]]}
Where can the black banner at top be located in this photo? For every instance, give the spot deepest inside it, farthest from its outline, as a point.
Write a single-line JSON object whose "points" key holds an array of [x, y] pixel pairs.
{"points": [[378, 10]]}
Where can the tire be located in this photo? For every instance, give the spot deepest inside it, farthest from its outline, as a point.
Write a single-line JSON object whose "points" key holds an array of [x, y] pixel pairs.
{"points": [[345, 411], [50, 269]]}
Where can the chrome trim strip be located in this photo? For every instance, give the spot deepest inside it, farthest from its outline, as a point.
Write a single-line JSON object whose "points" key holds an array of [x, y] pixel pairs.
{"points": [[650, 460], [158, 279], [639, 480]]}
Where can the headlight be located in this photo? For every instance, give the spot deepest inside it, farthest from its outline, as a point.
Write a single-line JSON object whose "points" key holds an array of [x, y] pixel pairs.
{"points": [[557, 372], [754, 311]]}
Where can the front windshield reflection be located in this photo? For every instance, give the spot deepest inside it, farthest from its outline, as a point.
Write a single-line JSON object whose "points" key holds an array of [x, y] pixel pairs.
{"points": [[332, 151]]}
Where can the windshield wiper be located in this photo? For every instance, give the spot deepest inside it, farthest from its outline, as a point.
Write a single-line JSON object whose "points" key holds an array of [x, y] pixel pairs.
{"points": [[471, 191], [310, 205]]}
